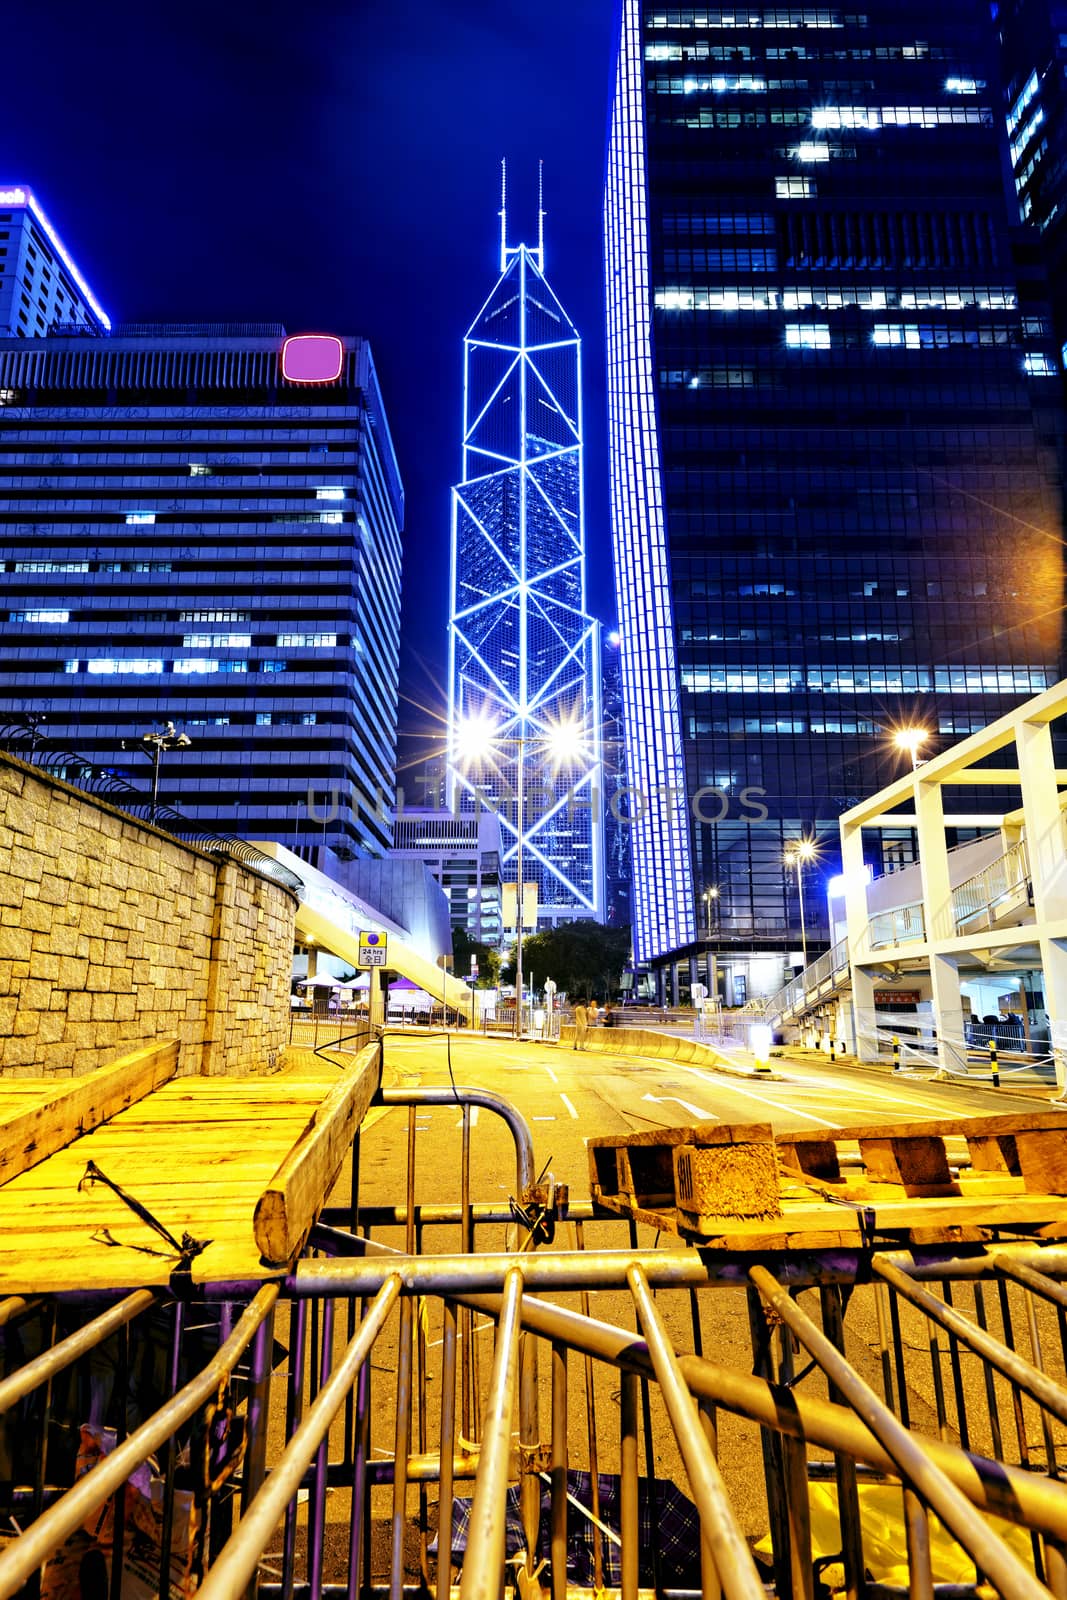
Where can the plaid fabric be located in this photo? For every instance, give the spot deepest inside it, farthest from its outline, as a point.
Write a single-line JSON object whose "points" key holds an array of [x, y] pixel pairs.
{"points": [[675, 1519]]}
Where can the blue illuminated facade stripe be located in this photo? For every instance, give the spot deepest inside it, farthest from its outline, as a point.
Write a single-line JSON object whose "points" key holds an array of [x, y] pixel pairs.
{"points": [[523, 650], [663, 912]]}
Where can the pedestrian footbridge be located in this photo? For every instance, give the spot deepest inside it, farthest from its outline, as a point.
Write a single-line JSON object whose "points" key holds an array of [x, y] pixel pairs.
{"points": [[965, 948]]}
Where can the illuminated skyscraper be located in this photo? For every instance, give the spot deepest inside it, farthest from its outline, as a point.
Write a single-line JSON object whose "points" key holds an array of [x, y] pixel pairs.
{"points": [[832, 511], [40, 285], [524, 694]]}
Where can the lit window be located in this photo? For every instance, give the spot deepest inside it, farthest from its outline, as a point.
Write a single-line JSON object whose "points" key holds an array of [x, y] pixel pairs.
{"points": [[107, 665], [963, 85], [288, 640], [200, 469], [1018, 110], [331, 493], [274, 666], [808, 336], [196, 664], [140, 518], [795, 188], [845, 117], [217, 641], [810, 152], [39, 616], [262, 719], [1039, 365], [331, 516]]}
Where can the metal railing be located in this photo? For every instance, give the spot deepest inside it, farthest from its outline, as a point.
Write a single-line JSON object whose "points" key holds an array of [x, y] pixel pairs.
{"points": [[443, 1412], [818, 980], [996, 889], [901, 925]]}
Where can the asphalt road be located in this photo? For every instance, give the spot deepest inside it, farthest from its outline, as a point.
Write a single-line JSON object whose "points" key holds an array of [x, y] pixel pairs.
{"points": [[568, 1096]]}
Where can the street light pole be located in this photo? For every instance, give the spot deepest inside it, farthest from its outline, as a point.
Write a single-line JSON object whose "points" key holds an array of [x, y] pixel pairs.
{"points": [[800, 895]]}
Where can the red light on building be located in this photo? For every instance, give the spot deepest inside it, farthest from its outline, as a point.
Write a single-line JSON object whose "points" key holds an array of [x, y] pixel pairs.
{"points": [[312, 358]]}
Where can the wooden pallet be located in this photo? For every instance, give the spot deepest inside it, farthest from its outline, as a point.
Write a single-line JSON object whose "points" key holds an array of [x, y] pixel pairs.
{"points": [[744, 1187]]}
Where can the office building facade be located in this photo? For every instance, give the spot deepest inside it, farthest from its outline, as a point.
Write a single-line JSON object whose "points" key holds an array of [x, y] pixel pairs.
{"points": [[524, 686], [833, 513], [1033, 44], [203, 525], [41, 286], [462, 853]]}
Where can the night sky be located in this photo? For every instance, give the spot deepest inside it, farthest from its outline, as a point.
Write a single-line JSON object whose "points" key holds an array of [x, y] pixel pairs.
{"points": [[333, 167]]}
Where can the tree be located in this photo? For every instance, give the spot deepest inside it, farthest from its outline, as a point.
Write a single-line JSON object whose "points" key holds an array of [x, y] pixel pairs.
{"points": [[463, 947], [584, 958]]}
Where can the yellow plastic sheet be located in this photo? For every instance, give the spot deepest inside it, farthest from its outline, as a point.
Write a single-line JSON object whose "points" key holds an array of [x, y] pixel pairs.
{"points": [[885, 1541]]}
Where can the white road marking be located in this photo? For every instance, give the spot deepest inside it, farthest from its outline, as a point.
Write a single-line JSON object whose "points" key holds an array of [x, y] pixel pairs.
{"points": [[862, 1090], [474, 1118], [569, 1106], [543, 1119], [672, 1100], [762, 1099], [551, 1074]]}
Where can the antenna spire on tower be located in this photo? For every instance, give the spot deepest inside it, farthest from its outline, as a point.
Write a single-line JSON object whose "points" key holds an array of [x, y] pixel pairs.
{"points": [[503, 213], [540, 216]]}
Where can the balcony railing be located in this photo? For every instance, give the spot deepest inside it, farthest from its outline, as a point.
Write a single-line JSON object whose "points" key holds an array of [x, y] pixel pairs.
{"points": [[989, 892], [902, 925]]}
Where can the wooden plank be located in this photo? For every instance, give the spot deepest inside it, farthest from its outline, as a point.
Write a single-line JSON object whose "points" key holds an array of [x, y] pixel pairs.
{"points": [[298, 1190], [913, 1161], [82, 1104]]}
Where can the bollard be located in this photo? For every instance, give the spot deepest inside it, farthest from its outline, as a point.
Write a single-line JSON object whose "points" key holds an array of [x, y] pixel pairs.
{"points": [[896, 1054], [833, 1057], [993, 1067], [760, 1040]]}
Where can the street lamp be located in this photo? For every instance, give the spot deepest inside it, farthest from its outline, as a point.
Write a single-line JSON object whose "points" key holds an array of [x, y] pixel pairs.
{"points": [[798, 851], [911, 740], [709, 895], [154, 744], [478, 740]]}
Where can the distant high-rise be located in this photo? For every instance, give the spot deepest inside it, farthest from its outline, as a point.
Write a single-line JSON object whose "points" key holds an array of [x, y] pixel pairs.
{"points": [[202, 524], [524, 692], [1033, 40], [40, 285], [833, 515]]}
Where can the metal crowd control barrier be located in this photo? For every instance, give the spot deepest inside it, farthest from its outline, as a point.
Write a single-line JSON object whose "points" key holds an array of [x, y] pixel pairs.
{"points": [[524, 1394]]}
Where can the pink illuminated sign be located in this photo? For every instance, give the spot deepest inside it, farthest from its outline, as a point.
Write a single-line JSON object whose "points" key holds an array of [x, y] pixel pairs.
{"points": [[312, 358]]}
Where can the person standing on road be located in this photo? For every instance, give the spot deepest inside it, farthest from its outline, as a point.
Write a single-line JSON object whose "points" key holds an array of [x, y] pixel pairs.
{"points": [[593, 1013], [581, 1026]]}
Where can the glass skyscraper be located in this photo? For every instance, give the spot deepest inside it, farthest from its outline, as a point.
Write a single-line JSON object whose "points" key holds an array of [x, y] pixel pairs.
{"points": [[524, 681], [202, 524], [834, 513]]}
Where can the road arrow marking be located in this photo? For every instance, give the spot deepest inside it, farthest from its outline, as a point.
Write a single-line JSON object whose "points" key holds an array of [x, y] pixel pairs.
{"points": [[670, 1099]]}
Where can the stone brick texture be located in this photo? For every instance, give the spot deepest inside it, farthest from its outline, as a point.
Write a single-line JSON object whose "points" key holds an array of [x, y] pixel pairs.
{"points": [[113, 933]]}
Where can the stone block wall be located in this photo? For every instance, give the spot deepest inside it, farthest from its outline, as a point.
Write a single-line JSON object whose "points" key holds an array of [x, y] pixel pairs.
{"points": [[112, 934]]}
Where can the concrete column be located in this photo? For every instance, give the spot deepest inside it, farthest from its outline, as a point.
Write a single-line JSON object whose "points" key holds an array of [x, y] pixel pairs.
{"points": [[217, 1009], [1045, 838], [933, 860], [864, 1020], [948, 1014], [713, 974], [661, 985], [1054, 973], [694, 972]]}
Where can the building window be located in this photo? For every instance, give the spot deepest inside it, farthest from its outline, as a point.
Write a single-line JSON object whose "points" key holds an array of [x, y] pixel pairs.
{"points": [[301, 640], [808, 336], [795, 188], [331, 492], [39, 616], [140, 518]]}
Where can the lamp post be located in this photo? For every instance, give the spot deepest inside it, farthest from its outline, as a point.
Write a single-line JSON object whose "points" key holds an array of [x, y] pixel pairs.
{"points": [[710, 894], [797, 852], [154, 744], [911, 740], [476, 739]]}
